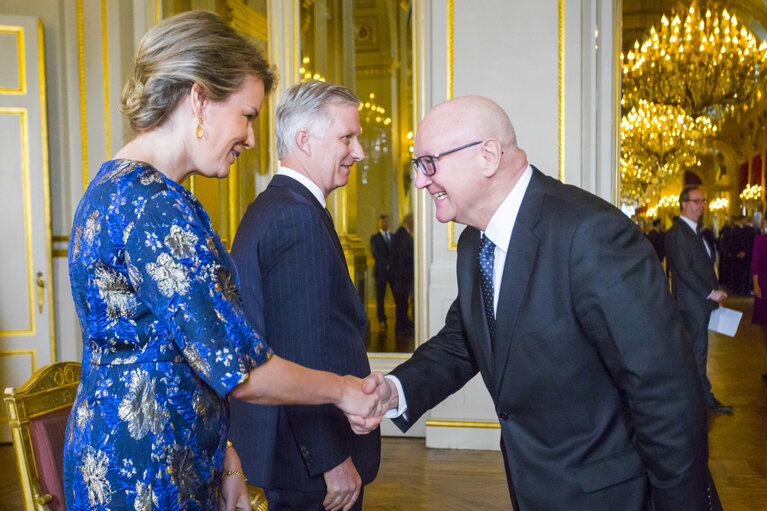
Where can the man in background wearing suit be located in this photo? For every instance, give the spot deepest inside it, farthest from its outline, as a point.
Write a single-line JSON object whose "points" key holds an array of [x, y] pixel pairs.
{"points": [[693, 282], [564, 310], [292, 268], [380, 246], [402, 274]]}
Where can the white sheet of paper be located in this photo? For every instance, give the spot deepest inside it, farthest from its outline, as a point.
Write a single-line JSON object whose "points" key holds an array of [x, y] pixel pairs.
{"points": [[725, 321]]}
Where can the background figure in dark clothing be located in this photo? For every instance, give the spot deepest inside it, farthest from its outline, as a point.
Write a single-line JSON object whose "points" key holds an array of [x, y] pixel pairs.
{"points": [[759, 271], [725, 248], [380, 246], [693, 282], [743, 247], [655, 235], [402, 274]]}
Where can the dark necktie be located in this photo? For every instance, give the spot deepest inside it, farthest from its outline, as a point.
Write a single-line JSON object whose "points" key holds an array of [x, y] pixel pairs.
{"points": [[486, 263]]}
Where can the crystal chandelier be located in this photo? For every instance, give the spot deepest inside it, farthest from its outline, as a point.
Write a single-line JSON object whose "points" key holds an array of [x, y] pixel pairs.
{"points": [[657, 142], [707, 64]]}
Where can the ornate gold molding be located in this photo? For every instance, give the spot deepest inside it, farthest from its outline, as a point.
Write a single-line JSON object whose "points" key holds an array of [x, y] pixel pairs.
{"points": [[462, 424], [32, 354], [561, 68], [618, 16], [105, 63], [24, 133], [83, 105], [22, 65], [46, 182]]}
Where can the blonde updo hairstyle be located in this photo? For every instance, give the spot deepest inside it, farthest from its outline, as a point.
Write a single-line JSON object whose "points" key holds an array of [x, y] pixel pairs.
{"points": [[192, 47]]}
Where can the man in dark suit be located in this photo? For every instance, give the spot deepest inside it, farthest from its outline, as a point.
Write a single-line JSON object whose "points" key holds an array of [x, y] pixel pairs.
{"points": [[402, 274], [381, 248], [655, 235], [292, 268], [564, 310], [693, 282]]}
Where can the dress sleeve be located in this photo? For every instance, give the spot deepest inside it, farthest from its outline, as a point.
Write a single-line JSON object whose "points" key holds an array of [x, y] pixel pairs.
{"points": [[180, 274]]}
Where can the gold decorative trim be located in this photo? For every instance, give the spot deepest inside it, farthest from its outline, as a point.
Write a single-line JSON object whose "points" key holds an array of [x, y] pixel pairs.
{"points": [[286, 35], [18, 353], [60, 237], [561, 32], [83, 105], [105, 61], [22, 113], [61, 253], [46, 182], [451, 243], [157, 12], [247, 20], [389, 356], [462, 424], [419, 101], [616, 115], [450, 49], [296, 45], [19, 31]]}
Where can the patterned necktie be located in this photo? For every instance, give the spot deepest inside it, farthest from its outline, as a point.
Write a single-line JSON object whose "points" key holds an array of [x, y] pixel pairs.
{"points": [[486, 263]]}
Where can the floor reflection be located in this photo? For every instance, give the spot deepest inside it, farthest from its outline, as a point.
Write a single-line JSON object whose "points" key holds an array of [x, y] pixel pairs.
{"points": [[391, 338]]}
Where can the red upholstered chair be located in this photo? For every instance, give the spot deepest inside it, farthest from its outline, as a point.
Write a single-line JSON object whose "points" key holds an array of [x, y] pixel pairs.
{"points": [[38, 413]]}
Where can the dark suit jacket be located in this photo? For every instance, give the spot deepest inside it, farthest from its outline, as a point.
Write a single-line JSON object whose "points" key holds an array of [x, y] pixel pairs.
{"points": [[297, 292], [692, 270], [382, 255], [591, 373]]}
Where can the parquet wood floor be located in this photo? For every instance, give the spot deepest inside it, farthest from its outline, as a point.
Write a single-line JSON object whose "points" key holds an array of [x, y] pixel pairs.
{"points": [[413, 478]]}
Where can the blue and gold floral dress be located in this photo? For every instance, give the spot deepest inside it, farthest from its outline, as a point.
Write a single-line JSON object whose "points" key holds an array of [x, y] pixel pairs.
{"points": [[164, 340]]}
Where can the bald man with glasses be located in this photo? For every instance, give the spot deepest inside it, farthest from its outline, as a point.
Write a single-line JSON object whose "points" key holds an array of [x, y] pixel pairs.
{"points": [[563, 309]]}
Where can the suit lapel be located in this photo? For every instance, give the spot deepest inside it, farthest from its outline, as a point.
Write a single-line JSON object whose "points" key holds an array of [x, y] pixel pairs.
{"points": [[517, 271], [323, 213]]}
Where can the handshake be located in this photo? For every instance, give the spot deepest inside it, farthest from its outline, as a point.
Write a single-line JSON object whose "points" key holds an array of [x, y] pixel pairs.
{"points": [[366, 401]]}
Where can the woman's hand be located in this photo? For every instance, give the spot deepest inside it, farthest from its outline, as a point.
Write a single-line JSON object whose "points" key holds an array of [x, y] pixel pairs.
{"points": [[233, 492], [356, 403]]}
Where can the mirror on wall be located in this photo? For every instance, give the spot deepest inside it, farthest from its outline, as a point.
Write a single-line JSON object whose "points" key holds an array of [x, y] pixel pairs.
{"points": [[226, 199], [366, 45]]}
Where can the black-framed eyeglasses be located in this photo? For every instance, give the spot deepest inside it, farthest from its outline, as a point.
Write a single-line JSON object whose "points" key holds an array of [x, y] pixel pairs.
{"points": [[427, 164]]}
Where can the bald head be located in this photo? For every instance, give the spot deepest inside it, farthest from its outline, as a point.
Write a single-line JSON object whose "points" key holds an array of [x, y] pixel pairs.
{"points": [[468, 117], [466, 152]]}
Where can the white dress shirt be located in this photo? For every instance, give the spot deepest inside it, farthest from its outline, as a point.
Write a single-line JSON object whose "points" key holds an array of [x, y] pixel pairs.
{"points": [[694, 228], [498, 231], [308, 183]]}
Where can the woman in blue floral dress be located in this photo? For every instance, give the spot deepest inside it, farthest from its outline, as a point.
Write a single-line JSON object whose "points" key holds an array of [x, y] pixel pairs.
{"points": [[164, 335]]}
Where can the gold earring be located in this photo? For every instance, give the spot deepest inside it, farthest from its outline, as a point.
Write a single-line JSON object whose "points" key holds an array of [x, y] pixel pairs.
{"points": [[199, 130]]}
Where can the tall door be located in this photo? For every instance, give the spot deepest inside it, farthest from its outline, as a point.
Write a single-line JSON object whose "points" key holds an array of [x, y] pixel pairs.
{"points": [[26, 299]]}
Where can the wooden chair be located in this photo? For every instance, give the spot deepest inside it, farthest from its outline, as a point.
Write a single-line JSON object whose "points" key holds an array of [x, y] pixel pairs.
{"points": [[38, 413]]}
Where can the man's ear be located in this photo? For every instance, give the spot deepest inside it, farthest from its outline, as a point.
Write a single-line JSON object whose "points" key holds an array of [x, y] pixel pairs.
{"points": [[197, 100], [491, 153], [303, 141]]}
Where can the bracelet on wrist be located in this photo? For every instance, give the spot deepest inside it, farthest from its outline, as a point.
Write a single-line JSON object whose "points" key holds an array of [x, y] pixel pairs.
{"points": [[235, 472], [228, 444]]}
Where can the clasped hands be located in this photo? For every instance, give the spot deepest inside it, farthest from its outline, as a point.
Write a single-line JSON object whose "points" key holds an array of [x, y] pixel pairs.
{"points": [[366, 401]]}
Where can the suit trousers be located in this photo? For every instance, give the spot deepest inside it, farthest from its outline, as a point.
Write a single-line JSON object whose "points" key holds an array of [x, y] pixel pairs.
{"points": [[697, 327], [381, 283], [295, 500]]}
